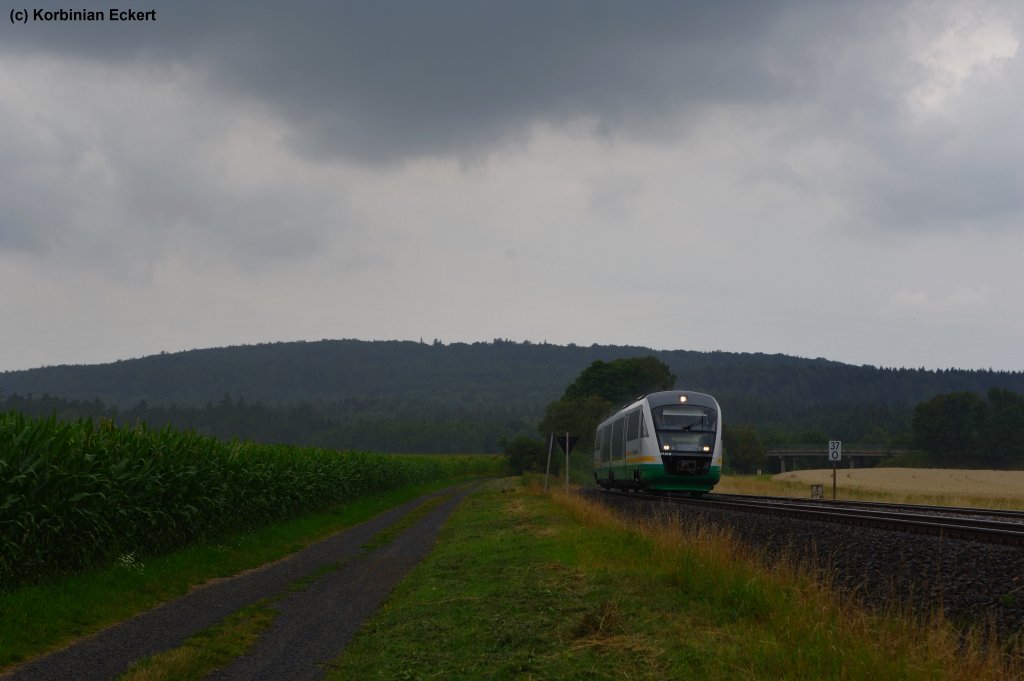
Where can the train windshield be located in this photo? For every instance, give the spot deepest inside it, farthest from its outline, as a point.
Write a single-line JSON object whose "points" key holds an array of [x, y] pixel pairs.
{"points": [[685, 428], [692, 419]]}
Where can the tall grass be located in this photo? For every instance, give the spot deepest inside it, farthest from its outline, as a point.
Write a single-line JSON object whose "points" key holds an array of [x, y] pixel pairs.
{"points": [[792, 624], [78, 494]]}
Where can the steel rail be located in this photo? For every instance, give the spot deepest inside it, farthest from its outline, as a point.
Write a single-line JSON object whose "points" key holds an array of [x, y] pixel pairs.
{"points": [[989, 531], [956, 510]]}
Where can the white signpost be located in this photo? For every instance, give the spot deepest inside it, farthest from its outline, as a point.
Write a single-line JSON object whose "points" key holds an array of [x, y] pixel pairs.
{"points": [[835, 455], [566, 443], [835, 450]]}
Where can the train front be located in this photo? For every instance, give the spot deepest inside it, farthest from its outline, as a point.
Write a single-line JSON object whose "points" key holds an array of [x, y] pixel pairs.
{"points": [[688, 430]]}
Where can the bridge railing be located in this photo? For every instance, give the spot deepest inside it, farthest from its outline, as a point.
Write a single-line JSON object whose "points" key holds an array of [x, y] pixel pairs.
{"points": [[849, 453]]}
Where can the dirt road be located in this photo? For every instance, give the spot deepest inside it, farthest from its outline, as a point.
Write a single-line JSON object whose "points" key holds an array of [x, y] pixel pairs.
{"points": [[313, 623]]}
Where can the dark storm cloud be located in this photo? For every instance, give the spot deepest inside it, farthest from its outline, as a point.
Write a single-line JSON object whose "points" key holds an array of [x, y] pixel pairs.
{"points": [[350, 168], [380, 82], [386, 80]]}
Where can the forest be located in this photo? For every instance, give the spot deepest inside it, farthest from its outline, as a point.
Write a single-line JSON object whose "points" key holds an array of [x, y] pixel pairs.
{"points": [[405, 396]]}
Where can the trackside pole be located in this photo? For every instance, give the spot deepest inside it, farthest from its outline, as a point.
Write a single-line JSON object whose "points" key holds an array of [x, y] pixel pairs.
{"points": [[835, 455], [547, 472], [567, 461]]}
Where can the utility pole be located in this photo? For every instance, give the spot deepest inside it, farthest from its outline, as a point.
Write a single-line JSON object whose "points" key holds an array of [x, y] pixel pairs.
{"points": [[547, 472]]}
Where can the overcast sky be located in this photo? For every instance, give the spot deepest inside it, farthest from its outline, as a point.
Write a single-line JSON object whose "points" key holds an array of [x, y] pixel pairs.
{"points": [[840, 180]]}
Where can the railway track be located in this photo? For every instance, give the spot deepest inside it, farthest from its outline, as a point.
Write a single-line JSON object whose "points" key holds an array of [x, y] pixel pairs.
{"points": [[968, 511], [982, 525]]}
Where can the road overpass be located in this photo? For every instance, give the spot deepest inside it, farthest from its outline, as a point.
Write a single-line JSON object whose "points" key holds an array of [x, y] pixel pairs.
{"points": [[850, 454]]}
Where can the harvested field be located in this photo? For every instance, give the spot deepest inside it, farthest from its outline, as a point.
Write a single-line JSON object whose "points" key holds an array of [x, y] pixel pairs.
{"points": [[988, 484]]}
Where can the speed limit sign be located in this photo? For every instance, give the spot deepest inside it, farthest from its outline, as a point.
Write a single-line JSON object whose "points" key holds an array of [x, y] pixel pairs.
{"points": [[835, 450]]}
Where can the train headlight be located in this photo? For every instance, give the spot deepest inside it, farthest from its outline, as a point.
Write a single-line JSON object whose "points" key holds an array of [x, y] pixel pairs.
{"points": [[682, 398], [666, 447], [707, 448]]}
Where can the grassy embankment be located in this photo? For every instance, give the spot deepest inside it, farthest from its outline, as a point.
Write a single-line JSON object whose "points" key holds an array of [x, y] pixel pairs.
{"points": [[528, 586]]}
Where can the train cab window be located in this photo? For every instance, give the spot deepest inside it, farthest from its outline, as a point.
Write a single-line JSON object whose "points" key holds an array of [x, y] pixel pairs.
{"points": [[685, 428], [633, 425], [694, 419]]}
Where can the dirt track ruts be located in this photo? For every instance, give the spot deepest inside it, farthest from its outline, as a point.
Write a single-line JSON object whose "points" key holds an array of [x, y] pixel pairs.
{"points": [[311, 627]]}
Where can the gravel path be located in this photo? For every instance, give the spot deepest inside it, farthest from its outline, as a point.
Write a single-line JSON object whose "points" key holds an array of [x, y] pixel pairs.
{"points": [[313, 624]]}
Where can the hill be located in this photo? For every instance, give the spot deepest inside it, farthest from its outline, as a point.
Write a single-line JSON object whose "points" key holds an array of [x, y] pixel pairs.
{"points": [[501, 383]]}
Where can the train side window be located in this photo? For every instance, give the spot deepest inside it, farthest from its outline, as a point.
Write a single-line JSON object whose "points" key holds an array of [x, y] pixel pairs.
{"points": [[618, 444], [633, 425], [597, 440], [643, 424], [606, 443]]}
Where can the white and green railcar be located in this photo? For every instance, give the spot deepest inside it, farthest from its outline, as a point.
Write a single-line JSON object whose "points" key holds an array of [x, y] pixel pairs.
{"points": [[665, 441]]}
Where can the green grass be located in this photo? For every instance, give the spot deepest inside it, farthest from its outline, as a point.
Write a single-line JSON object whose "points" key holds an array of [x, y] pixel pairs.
{"points": [[527, 586], [37, 618], [386, 536], [208, 650], [216, 647]]}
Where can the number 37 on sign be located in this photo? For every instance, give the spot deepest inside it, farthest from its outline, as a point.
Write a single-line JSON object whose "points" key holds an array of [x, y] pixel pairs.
{"points": [[835, 450]]}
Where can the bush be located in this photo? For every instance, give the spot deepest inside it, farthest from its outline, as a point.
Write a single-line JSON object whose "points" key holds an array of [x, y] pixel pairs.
{"points": [[526, 454]]}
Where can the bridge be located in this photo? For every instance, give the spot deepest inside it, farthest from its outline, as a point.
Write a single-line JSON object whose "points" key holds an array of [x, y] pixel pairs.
{"points": [[849, 453]]}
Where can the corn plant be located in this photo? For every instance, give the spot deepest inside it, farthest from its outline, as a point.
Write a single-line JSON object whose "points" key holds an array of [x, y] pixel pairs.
{"points": [[79, 494]]}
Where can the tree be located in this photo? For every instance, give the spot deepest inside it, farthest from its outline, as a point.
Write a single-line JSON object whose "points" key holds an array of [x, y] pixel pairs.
{"points": [[576, 416], [1003, 434], [963, 429], [949, 427], [621, 380], [526, 454], [598, 390], [744, 449]]}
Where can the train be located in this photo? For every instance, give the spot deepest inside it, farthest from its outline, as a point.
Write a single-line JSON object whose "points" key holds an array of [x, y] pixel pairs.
{"points": [[668, 441]]}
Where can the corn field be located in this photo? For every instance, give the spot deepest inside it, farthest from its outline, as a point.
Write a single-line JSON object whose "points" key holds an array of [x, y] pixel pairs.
{"points": [[78, 494]]}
